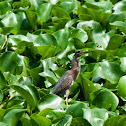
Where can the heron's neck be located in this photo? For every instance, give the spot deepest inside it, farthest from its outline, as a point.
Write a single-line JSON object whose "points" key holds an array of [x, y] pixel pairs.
{"points": [[75, 63]]}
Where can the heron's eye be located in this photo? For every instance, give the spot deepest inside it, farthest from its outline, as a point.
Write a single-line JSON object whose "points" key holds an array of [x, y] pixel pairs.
{"points": [[78, 51]]}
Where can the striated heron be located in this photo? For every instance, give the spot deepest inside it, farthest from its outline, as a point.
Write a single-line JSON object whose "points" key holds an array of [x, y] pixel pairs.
{"points": [[67, 80]]}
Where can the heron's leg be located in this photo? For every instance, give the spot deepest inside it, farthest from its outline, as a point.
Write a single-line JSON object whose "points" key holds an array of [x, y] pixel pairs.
{"points": [[67, 95]]}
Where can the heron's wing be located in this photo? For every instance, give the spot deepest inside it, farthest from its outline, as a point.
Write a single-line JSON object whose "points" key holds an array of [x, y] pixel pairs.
{"points": [[63, 84]]}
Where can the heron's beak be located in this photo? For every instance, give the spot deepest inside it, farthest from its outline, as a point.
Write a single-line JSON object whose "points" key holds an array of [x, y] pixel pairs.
{"points": [[87, 51], [83, 52]]}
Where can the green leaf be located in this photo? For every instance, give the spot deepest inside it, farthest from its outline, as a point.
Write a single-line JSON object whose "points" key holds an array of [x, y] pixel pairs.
{"points": [[99, 36], [32, 37], [46, 51], [85, 17], [62, 37], [79, 34], [115, 40], [119, 120], [122, 51], [5, 30], [13, 116], [60, 13], [34, 73], [120, 25], [2, 112], [122, 87], [49, 64], [31, 17], [12, 20], [110, 71], [18, 37], [105, 99], [117, 17], [28, 92], [3, 81], [1, 96], [2, 39], [56, 114], [123, 63], [95, 116], [96, 15], [40, 120], [25, 120], [22, 4], [103, 6], [44, 39], [36, 3], [8, 59], [76, 109], [69, 5], [49, 75], [25, 47], [44, 12], [51, 101], [120, 7], [87, 87], [85, 24], [66, 121], [10, 78], [4, 7], [79, 121], [44, 112], [14, 102], [18, 63]]}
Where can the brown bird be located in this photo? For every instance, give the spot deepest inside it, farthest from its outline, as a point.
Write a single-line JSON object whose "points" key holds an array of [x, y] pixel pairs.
{"points": [[67, 80]]}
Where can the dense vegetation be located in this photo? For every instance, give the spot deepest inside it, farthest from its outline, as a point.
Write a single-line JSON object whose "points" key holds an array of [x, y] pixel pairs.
{"points": [[37, 41]]}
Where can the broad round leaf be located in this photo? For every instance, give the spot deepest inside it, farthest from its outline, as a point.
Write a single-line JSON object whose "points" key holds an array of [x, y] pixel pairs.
{"points": [[8, 59], [49, 75], [13, 116], [76, 109], [12, 20], [95, 116], [120, 25], [46, 51], [122, 51], [69, 5], [120, 7], [119, 120], [95, 14], [123, 63], [122, 87], [4, 7], [79, 121], [79, 34], [3, 81], [28, 92], [87, 87], [60, 13], [115, 40], [40, 120], [62, 37], [104, 6], [51, 101], [105, 99], [110, 71], [66, 121], [2, 112], [56, 114], [117, 17], [44, 12]]}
